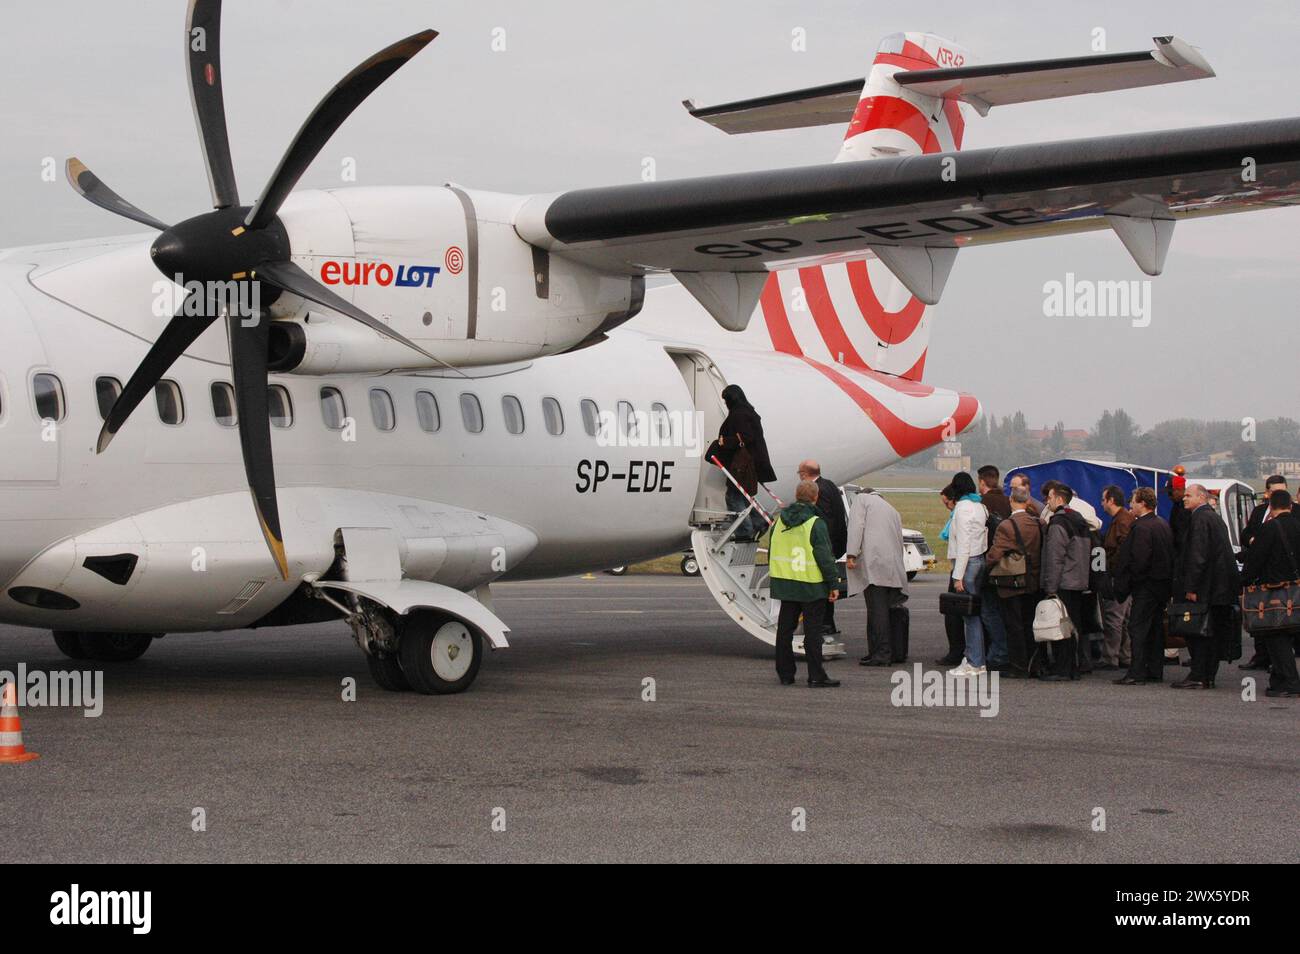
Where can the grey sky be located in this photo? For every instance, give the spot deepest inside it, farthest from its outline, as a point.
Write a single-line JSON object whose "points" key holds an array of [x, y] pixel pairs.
{"points": [[585, 91]]}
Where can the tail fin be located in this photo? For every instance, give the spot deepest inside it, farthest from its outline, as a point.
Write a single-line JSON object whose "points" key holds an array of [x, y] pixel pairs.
{"points": [[858, 313], [891, 120], [864, 313]]}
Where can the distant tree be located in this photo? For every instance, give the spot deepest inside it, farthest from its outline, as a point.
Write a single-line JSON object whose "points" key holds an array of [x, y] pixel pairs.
{"points": [[1246, 458], [1056, 443]]}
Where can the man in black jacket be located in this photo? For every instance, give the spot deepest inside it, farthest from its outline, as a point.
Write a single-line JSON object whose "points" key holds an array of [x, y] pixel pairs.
{"points": [[1144, 570], [1206, 572], [830, 507], [1258, 517], [1271, 558]]}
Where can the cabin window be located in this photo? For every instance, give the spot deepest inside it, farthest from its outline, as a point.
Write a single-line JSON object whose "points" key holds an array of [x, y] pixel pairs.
{"points": [[553, 415], [659, 422], [514, 414], [590, 416], [279, 406], [627, 425], [426, 411], [171, 406], [382, 411], [107, 391], [223, 404], [333, 409], [471, 412], [47, 393]]}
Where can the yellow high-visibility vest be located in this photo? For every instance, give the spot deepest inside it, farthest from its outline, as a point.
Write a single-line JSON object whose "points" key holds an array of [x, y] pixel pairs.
{"points": [[790, 552]]}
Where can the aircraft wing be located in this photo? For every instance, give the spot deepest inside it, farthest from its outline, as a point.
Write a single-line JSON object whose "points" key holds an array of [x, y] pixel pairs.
{"points": [[914, 212]]}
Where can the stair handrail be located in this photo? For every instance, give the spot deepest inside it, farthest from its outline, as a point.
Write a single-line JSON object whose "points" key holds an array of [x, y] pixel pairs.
{"points": [[753, 504]]}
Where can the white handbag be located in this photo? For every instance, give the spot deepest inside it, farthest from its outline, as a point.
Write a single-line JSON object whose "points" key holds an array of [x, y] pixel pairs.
{"points": [[1051, 622]]}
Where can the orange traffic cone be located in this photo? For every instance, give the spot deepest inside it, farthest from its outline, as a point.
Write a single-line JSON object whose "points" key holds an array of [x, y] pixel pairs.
{"points": [[11, 729]]}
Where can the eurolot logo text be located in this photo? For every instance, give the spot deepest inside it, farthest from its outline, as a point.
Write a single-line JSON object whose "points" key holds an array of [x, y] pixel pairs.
{"points": [[1085, 298], [378, 273], [656, 428], [97, 908], [937, 690], [58, 689]]}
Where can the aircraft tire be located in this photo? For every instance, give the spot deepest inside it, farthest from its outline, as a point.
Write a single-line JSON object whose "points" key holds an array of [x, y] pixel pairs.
{"points": [[440, 654], [114, 647], [69, 643], [386, 671]]}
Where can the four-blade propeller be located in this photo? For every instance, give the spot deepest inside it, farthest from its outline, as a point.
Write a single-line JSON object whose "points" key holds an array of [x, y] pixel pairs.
{"points": [[240, 245]]}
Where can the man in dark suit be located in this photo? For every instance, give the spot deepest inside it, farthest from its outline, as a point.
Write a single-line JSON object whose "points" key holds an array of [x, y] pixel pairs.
{"points": [[1258, 517], [1143, 572], [1116, 646], [1272, 558], [830, 507], [1206, 573]]}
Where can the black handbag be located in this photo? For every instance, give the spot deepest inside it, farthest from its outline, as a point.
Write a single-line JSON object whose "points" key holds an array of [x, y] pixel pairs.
{"points": [[953, 603], [1189, 619], [1268, 607]]}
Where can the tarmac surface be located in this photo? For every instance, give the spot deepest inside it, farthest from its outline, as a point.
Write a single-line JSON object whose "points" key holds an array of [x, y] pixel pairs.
{"points": [[556, 741]]}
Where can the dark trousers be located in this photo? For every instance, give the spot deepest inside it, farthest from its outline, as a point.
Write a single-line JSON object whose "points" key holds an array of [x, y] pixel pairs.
{"points": [[1018, 618], [954, 627], [828, 618], [1205, 650], [786, 621], [1065, 652], [1281, 656], [1146, 630], [879, 599]]}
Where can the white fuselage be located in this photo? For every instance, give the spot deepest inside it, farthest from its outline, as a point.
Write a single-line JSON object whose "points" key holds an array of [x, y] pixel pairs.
{"points": [[469, 507]]}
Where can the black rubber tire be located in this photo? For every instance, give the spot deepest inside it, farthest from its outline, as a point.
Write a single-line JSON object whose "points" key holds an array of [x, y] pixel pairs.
{"points": [[416, 653], [690, 566], [387, 673], [115, 647], [69, 643], [617, 571], [911, 575]]}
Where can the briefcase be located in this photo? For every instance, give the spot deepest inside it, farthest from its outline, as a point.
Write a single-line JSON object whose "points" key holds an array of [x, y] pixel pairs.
{"points": [[1271, 606], [953, 603], [1189, 619]]}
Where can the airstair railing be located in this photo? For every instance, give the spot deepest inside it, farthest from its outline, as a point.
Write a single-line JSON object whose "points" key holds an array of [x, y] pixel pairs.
{"points": [[753, 504]]}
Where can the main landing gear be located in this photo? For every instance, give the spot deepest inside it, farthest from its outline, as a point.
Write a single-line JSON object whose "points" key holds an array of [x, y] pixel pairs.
{"points": [[426, 651], [102, 647]]}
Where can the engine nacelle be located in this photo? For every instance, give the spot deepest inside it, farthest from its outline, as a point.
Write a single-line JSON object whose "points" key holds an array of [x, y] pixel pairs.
{"points": [[445, 268]]}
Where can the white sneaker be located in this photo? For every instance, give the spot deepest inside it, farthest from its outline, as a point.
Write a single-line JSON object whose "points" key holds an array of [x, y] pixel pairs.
{"points": [[964, 669], [981, 671]]}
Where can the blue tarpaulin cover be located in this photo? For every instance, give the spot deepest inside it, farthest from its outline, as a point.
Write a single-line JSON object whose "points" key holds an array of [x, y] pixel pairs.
{"points": [[1088, 478]]}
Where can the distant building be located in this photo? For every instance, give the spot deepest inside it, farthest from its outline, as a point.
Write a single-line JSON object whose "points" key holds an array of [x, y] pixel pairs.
{"points": [[949, 459], [1075, 438], [1288, 467]]}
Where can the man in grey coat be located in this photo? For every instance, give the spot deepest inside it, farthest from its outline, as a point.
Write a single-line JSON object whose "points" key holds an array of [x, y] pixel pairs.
{"points": [[874, 558], [1066, 562]]}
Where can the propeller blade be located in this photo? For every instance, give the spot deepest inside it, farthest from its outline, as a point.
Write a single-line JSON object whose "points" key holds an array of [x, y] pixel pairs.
{"points": [[248, 346], [325, 120], [203, 63], [181, 332], [89, 186], [289, 277]]}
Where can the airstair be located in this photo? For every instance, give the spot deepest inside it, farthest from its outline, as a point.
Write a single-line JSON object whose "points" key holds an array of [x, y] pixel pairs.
{"points": [[735, 571]]}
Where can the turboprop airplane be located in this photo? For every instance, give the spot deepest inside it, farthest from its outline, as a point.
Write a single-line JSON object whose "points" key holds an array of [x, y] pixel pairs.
{"points": [[428, 389]]}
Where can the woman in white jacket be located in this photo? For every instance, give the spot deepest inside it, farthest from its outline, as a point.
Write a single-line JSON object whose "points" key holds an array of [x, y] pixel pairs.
{"points": [[967, 535]]}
